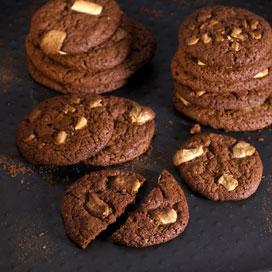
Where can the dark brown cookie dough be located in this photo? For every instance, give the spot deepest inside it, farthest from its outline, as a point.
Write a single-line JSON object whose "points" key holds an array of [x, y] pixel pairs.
{"points": [[230, 101], [219, 167], [66, 89], [202, 71], [245, 119], [187, 79], [226, 36], [94, 202], [142, 51], [105, 56], [134, 128], [76, 25], [64, 130], [162, 217]]}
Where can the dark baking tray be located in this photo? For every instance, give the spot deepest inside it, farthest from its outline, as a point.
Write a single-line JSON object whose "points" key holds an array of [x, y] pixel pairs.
{"points": [[220, 236]]}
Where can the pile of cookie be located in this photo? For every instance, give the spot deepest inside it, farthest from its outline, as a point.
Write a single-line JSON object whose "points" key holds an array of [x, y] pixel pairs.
{"points": [[222, 69], [86, 46], [92, 129]]}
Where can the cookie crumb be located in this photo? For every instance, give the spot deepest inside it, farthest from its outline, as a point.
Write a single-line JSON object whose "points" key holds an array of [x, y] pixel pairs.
{"points": [[261, 139], [13, 168], [151, 13], [196, 129]]}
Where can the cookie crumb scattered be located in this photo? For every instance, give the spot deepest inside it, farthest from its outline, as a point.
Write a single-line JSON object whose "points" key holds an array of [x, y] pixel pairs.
{"points": [[150, 12], [261, 139], [196, 129], [13, 168]]}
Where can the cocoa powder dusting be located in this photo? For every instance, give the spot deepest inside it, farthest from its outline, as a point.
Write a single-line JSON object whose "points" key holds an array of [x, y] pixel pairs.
{"points": [[266, 205]]}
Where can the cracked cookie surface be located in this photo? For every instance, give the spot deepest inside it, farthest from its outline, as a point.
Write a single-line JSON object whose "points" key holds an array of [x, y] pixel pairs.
{"points": [[162, 217], [219, 167], [94, 202], [64, 130]]}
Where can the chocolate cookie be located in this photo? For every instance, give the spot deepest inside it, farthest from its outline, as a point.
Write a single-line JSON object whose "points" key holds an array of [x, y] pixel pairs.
{"points": [[143, 49], [66, 89], [244, 119], [162, 217], [74, 26], [105, 56], [134, 128], [94, 202], [180, 75], [219, 167], [202, 71], [226, 36], [230, 101], [64, 130]]}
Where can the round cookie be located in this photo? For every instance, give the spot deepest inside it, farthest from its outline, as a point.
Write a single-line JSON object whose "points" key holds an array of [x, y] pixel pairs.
{"points": [[216, 73], [134, 128], [142, 51], [66, 89], [74, 26], [245, 119], [64, 130], [187, 79], [226, 36], [162, 217], [105, 56], [219, 167], [230, 101], [95, 201]]}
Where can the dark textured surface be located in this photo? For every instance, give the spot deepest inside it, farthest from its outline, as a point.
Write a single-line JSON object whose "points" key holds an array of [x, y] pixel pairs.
{"points": [[220, 237]]}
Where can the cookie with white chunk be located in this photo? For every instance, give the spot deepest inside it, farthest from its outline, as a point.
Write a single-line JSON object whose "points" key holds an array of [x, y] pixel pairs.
{"points": [[75, 26], [225, 36], [64, 130], [134, 128], [219, 167], [94, 202], [162, 217]]}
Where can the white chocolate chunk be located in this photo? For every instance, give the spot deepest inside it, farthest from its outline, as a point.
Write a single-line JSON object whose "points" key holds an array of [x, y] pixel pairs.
{"points": [[185, 155], [228, 182], [243, 149], [52, 42], [262, 74], [87, 7]]}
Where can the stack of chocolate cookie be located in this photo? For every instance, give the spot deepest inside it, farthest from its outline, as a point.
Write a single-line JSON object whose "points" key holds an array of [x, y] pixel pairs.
{"points": [[96, 130], [222, 69], [86, 46]]}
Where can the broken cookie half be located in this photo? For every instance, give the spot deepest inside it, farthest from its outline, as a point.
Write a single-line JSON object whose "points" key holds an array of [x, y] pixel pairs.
{"points": [[163, 216], [94, 202]]}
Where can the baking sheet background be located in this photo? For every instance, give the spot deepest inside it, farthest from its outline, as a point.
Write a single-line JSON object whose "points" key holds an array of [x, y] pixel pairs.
{"points": [[220, 236]]}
